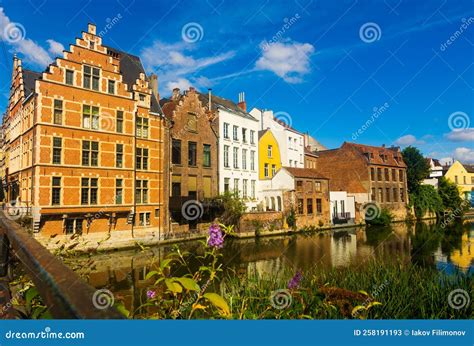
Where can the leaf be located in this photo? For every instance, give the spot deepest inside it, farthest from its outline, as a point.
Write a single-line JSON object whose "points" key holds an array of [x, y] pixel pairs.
{"points": [[31, 294], [373, 304], [121, 308], [197, 306], [189, 284], [173, 286], [363, 292], [165, 263], [151, 274], [357, 309], [218, 302]]}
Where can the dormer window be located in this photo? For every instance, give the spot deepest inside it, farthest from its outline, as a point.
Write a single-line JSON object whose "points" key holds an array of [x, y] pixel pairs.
{"points": [[91, 44]]}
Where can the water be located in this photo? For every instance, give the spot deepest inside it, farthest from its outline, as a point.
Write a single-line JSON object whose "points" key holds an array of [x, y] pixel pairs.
{"points": [[424, 244]]}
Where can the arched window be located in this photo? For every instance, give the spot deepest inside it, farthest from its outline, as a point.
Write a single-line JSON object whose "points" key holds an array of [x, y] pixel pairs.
{"points": [[279, 203], [273, 203]]}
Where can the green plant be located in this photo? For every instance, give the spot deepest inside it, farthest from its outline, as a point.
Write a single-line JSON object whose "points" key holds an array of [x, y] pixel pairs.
{"points": [[449, 193], [232, 208], [417, 167], [426, 199], [384, 218], [291, 218]]}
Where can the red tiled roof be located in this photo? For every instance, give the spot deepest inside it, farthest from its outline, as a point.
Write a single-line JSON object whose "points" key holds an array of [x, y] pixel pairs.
{"points": [[374, 154], [305, 173]]}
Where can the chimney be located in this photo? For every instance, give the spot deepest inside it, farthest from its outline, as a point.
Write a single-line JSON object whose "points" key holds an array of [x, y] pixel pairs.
{"points": [[383, 145], [209, 92], [91, 28], [242, 104], [175, 94], [153, 83]]}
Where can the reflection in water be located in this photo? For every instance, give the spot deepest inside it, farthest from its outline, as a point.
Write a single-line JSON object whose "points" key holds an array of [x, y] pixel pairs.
{"points": [[424, 244]]}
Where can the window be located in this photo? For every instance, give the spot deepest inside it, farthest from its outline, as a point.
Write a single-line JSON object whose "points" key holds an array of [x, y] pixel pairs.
{"points": [[402, 195], [90, 153], [192, 153], [142, 127], [299, 185], [69, 77], [387, 194], [176, 185], [226, 184], [319, 206], [456, 179], [111, 86], [291, 162], [91, 78], [372, 196], [119, 124], [252, 160], [91, 44], [252, 189], [57, 149], [56, 191], [252, 137], [265, 170], [176, 152], [226, 130], [118, 155], [236, 133], [464, 180], [191, 125], [273, 170], [401, 175], [226, 156], [74, 226], [141, 97], [380, 199], [387, 175], [300, 206], [244, 135], [89, 187], [236, 186], [379, 174], [372, 174], [244, 188], [394, 175], [269, 151], [290, 143], [141, 191], [236, 157], [58, 112], [118, 191], [244, 158], [395, 194], [90, 117], [207, 155], [141, 156], [144, 219], [317, 185]]}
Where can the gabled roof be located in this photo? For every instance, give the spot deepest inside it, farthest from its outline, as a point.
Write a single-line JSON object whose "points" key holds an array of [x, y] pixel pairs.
{"points": [[374, 154], [469, 168], [29, 79], [305, 173], [130, 67], [222, 103]]}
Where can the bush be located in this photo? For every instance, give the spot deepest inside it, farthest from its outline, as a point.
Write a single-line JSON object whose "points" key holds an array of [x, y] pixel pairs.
{"points": [[384, 218], [232, 206], [291, 218], [449, 193], [426, 199]]}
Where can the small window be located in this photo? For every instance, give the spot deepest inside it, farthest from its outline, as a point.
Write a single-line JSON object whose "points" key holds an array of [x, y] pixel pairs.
{"points": [[118, 191], [119, 121], [56, 191], [207, 155], [111, 86], [270, 151], [57, 150], [176, 152], [58, 112], [192, 153], [69, 77], [119, 155]]}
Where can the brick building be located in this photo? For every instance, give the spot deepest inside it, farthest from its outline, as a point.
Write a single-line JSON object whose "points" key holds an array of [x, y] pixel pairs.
{"points": [[310, 158], [85, 142], [368, 173], [193, 148]]}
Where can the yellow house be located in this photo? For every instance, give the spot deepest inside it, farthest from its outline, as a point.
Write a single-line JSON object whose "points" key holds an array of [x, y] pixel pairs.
{"points": [[463, 176], [269, 155]]}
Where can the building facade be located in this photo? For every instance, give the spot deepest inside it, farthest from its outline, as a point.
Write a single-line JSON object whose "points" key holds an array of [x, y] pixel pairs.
{"points": [[269, 162], [193, 149], [436, 172], [463, 176], [85, 147], [290, 141], [369, 174]]}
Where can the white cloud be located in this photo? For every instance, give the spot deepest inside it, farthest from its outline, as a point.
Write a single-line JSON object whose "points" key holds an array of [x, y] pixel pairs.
{"points": [[464, 135], [176, 65], [289, 61], [465, 155], [408, 140], [14, 34], [55, 48]]}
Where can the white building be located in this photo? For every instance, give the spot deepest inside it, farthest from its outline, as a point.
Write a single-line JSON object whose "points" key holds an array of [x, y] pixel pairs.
{"points": [[342, 207], [290, 141], [238, 149], [436, 172]]}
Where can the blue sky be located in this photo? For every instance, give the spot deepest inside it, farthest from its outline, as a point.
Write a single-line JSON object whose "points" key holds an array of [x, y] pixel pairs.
{"points": [[375, 72]]}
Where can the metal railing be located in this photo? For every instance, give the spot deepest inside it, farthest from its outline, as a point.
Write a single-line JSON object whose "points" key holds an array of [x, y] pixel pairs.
{"points": [[65, 294]]}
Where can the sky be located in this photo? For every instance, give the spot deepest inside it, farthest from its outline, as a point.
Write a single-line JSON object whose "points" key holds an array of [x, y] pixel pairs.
{"points": [[393, 72]]}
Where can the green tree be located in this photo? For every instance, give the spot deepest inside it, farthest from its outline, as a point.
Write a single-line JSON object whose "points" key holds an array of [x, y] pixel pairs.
{"points": [[449, 193], [417, 167], [425, 199], [232, 208]]}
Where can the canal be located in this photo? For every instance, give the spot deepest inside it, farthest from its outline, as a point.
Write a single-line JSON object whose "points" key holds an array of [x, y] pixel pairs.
{"points": [[449, 249]]}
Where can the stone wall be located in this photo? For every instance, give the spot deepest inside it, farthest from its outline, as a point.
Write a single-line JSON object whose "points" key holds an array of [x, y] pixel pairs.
{"points": [[269, 220]]}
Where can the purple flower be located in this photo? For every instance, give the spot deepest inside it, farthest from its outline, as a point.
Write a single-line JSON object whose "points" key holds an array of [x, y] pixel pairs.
{"points": [[216, 238], [150, 294], [295, 281]]}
